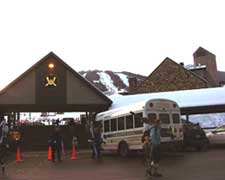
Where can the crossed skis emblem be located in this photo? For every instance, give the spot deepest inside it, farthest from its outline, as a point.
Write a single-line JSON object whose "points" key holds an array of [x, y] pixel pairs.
{"points": [[50, 81]]}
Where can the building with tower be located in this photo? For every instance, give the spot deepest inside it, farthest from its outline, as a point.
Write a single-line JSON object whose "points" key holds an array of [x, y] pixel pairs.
{"points": [[172, 76]]}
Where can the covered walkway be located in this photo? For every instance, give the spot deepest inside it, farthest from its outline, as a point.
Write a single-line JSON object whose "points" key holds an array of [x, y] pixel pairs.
{"points": [[197, 101]]}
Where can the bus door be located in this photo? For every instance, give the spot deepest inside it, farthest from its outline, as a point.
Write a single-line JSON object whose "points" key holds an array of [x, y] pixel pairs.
{"points": [[166, 126]]}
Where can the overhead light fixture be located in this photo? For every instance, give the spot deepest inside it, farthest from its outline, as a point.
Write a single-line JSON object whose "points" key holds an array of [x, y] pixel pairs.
{"points": [[51, 65]]}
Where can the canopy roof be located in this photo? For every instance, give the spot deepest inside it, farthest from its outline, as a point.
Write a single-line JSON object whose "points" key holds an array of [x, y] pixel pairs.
{"points": [[197, 101]]}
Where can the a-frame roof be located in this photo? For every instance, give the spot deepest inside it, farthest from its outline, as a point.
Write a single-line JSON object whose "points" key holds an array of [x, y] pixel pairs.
{"points": [[163, 76], [72, 92], [172, 61]]}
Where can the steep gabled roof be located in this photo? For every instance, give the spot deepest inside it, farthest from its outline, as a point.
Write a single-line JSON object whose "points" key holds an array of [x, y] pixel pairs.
{"points": [[30, 74], [170, 60]]}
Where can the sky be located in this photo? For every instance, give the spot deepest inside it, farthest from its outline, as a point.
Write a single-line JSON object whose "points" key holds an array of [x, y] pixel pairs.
{"points": [[117, 35]]}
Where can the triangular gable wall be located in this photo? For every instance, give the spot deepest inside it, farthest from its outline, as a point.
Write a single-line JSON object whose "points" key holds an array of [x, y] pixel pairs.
{"points": [[44, 89], [170, 76], [21, 92]]}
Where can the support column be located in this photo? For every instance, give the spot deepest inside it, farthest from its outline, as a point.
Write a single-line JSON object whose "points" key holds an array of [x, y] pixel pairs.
{"points": [[13, 118], [17, 116], [187, 117]]}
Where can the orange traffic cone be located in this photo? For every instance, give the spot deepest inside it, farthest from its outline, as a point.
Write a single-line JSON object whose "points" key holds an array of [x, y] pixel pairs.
{"points": [[18, 154], [73, 155], [49, 153]]}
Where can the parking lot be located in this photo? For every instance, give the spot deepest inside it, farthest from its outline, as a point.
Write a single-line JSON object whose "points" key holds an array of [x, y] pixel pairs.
{"points": [[186, 166]]}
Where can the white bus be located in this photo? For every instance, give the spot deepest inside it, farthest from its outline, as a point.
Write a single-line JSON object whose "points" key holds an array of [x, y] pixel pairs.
{"points": [[123, 127]]}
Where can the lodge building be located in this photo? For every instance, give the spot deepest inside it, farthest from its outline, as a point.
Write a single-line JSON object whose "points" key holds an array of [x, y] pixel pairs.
{"points": [[172, 76]]}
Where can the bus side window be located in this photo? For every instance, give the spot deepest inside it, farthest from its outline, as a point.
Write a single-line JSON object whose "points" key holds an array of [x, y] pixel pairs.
{"points": [[106, 126], [176, 118], [121, 123], [113, 124], [138, 120], [129, 122]]}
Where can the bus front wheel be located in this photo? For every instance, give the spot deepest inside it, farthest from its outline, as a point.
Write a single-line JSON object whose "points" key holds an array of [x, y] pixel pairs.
{"points": [[123, 150]]}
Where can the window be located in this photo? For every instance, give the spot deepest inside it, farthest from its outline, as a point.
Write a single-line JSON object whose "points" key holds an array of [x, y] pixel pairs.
{"points": [[138, 120], [164, 118], [113, 124], [129, 122], [176, 118], [106, 126], [151, 118], [121, 123]]}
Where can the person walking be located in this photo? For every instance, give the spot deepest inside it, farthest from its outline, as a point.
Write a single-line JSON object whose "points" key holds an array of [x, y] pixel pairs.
{"points": [[155, 151], [56, 144]]}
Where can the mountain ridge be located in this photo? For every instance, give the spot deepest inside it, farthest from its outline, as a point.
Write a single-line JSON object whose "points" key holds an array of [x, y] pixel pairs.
{"points": [[111, 82]]}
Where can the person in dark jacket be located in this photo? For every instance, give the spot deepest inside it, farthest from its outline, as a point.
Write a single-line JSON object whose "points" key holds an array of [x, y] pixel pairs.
{"points": [[97, 142], [4, 145], [155, 151], [56, 144]]}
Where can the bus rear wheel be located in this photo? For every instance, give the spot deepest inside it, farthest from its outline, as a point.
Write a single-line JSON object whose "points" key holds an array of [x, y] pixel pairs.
{"points": [[123, 150]]}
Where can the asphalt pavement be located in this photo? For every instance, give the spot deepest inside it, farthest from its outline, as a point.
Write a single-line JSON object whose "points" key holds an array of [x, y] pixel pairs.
{"points": [[191, 165]]}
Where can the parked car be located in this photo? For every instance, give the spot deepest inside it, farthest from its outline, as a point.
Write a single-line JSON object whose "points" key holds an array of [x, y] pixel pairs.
{"points": [[194, 136], [217, 136]]}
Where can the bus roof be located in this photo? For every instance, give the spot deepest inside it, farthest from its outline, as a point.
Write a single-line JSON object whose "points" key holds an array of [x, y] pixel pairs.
{"points": [[128, 108]]}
